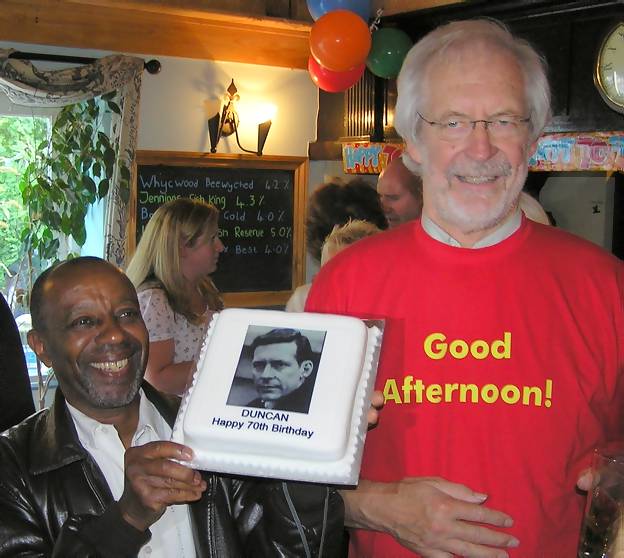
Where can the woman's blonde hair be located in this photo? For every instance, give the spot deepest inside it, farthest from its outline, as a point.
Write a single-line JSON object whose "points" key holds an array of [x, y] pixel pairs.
{"points": [[156, 262], [345, 235]]}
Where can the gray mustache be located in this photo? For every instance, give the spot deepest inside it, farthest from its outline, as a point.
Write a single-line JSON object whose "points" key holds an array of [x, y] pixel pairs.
{"points": [[478, 168]]}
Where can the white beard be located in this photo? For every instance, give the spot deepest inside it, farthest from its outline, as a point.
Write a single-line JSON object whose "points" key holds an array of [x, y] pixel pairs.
{"points": [[472, 213]]}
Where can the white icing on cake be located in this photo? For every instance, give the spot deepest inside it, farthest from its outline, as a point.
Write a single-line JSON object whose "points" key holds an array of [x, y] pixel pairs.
{"points": [[324, 444]]}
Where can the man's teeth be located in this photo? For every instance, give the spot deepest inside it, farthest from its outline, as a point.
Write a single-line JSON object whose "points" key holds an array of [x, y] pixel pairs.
{"points": [[114, 366], [477, 179]]}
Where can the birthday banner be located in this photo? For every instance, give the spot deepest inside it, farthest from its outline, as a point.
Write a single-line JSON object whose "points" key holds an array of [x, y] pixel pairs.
{"points": [[579, 151], [575, 151], [368, 157]]}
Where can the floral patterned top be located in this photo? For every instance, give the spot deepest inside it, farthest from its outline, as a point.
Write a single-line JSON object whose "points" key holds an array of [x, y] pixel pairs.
{"points": [[163, 323]]}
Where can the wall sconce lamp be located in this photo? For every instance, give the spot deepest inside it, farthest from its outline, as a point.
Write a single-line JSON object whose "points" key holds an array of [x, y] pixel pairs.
{"points": [[226, 123]]}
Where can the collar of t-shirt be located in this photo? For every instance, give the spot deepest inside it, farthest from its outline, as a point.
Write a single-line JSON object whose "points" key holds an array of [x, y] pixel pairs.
{"points": [[172, 533], [501, 233]]}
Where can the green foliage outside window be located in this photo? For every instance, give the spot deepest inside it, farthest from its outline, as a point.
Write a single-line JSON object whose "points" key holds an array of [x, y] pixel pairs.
{"points": [[67, 175], [18, 136], [64, 174]]}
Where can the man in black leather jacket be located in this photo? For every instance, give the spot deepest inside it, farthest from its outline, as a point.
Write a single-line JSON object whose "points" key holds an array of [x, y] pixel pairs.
{"points": [[55, 496]]}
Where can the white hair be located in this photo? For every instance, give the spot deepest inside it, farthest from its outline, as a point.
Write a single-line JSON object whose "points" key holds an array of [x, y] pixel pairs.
{"points": [[450, 38]]}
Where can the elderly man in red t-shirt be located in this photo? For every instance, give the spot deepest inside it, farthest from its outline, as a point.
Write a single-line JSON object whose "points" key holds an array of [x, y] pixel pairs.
{"points": [[502, 363]]}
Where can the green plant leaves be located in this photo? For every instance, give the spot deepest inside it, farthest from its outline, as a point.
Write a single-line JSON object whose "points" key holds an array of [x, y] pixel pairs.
{"points": [[68, 174], [89, 184], [114, 107], [103, 188]]}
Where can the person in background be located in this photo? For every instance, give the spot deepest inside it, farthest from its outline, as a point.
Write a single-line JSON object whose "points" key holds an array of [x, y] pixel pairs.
{"points": [[171, 268], [336, 203], [502, 362], [95, 475], [400, 192], [533, 209], [345, 235], [341, 237], [16, 400]]}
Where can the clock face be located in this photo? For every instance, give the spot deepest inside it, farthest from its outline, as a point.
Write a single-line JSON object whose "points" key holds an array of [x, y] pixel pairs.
{"points": [[609, 76]]}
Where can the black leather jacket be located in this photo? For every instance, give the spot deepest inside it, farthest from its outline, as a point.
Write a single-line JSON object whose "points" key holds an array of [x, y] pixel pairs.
{"points": [[55, 502], [16, 401]]}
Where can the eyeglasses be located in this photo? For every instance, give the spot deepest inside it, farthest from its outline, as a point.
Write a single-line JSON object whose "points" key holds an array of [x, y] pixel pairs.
{"points": [[457, 129]]}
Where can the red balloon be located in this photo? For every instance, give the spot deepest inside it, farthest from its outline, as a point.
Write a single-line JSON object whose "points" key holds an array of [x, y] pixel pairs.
{"points": [[340, 40], [333, 82]]}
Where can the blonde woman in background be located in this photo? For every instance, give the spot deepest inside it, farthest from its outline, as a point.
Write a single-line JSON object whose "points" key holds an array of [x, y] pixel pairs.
{"points": [[170, 269], [337, 240]]}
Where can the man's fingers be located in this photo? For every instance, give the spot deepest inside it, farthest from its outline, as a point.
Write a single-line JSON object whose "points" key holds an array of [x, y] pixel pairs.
{"points": [[452, 520], [377, 399], [377, 402], [585, 480], [479, 535], [372, 417], [480, 514], [469, 550], [168, 496], [156, 491], [161, 450], [195, 483], [459, 491], [468, 539], [157, 480], [164, 468], [435, 554]]}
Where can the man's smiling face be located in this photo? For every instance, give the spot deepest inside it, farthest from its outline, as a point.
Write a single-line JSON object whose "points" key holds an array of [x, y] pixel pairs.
{"points": [[472, 185], [93, 336]]}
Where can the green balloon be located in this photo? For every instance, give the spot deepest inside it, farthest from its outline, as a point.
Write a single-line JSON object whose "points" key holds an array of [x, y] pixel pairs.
{"points": [[389, 48]]}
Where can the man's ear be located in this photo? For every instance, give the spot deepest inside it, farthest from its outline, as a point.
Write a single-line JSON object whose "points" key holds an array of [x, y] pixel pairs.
{"points": [[306, 368], [38, 344], [414, 152]]}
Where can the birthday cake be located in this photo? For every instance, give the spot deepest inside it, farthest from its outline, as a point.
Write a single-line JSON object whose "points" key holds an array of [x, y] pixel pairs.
{"points": [[282, 395]]}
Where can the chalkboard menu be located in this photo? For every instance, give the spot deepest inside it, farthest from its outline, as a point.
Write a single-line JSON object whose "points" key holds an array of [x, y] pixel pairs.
{"points": [[260, 201]]}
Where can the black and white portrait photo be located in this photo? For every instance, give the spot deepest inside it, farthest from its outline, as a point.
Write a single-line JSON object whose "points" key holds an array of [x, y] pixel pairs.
{"points": [[277, 369]]}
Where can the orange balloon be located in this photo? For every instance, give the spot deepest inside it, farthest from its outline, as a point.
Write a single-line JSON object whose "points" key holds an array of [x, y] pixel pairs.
{"points": [[340, 40]]}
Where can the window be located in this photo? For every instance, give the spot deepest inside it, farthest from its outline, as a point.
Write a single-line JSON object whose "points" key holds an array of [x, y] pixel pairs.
{"points": [[18, 137], [62, 169]]}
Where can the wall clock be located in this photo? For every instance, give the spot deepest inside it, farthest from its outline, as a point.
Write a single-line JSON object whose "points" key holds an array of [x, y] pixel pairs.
{"points": [[609, 72]]}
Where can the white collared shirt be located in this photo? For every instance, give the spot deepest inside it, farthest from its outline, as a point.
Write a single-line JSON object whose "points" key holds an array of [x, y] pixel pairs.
{"points": [[501, 233], [172, 536]]}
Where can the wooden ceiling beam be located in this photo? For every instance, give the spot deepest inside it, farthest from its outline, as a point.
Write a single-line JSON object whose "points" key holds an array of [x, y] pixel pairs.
{"points": [[143, 28], [394, 7]]}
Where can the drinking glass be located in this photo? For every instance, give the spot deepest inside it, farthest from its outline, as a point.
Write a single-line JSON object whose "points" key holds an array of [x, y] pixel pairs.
{"points": [[602, 533]]}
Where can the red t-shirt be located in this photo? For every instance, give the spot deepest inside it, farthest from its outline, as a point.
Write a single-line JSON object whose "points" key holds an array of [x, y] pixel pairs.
{"points": [[501, 366]]}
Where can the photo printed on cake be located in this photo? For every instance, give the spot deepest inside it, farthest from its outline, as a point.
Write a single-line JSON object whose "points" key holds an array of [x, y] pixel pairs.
{"points": [[277, 368]]}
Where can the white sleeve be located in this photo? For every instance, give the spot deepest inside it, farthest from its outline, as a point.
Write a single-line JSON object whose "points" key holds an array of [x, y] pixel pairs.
{"points": [[157, 314]]}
